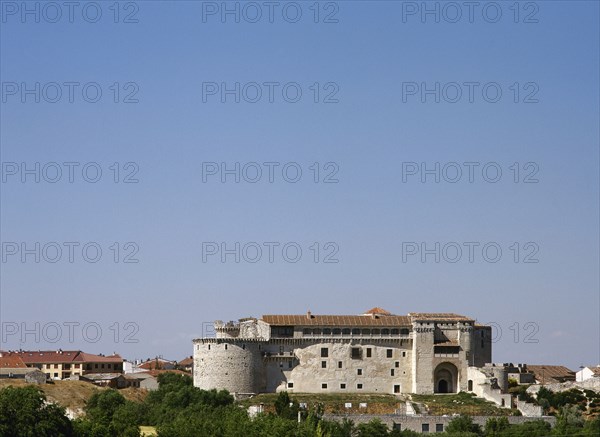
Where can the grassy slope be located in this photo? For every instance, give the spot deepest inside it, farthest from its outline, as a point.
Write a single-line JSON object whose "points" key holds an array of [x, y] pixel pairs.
{"points": [[334, 403], [73, 394]]}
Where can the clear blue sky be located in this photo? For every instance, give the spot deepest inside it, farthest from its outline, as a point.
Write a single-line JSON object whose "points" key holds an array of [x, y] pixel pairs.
{"points": [[369, 53]]}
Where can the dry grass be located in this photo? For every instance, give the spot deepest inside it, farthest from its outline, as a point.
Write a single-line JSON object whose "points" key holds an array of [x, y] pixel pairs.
{"points": [[74, 394], [334, 403]]}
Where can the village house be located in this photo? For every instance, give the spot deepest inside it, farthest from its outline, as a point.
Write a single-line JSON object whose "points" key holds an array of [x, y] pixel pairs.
{"points": [[59, 364]]}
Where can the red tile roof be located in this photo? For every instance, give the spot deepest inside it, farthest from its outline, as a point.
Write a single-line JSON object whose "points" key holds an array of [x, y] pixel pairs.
{"points": [[85, 357], [549, 374], [8, 360], [334, 320], [60, 356], [378, 310], [33, 357], [156, 363], [186, 361], [374, 317]]}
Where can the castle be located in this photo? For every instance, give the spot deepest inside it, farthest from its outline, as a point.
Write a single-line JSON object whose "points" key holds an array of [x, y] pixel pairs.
{"points": [[375, 352]]}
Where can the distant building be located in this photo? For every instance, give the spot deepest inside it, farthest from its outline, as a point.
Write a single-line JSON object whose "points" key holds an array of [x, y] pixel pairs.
{"points": [[548, 374], [588, 372], [187, 364], [112, 380], [373, 352], [157, 363], [61, 364]]}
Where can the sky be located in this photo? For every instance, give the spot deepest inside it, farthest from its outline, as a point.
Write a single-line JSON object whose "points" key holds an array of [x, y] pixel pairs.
{"points": [[168, 164]]}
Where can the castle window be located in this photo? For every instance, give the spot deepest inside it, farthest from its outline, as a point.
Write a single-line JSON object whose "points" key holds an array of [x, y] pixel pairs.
{"points": [[368, 352], [359, 386], [439, 427], [397, 364], [323, 364], [290, 385], [327, 331], [366, 332], [356, 353], [339, 364], [225, 347], [281, 364], [317, 331], [244, 346], [324, 385], [389, 353], [355, 331], [404, 331], [337, 331], [359, 372], [403, 353], [324, 352], [395, 331], [209, 347], [343, 386], [385, 332], [376, 331], [306, 331], [391, 372], [282, 331], [346, 331], [290, 364], [424, 427]]}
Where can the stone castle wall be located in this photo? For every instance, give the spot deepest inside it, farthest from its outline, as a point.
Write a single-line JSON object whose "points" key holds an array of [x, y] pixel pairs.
{"points": [[235, 366]]}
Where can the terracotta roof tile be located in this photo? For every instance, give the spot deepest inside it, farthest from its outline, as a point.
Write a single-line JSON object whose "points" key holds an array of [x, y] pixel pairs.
{"points": [[336, 320], [32, 357], [444, 317], [547, 374], [186, 361], [60, 356], [378, 310], [85, 357], [374, 317], [11, 361]]}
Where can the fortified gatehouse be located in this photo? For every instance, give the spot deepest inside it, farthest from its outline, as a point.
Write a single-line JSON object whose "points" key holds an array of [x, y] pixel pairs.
{"points": [[376, 352]]}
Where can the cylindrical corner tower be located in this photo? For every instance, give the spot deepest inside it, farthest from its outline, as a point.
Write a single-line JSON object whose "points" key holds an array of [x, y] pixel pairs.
{"points": [[233, 366]]}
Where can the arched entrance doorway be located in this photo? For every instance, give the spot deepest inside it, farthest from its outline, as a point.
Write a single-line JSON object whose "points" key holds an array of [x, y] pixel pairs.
{"points": [[445, 378]]}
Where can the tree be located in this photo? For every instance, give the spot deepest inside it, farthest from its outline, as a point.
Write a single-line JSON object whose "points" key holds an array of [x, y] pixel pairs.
{"points": [[374, 428], [568, 421], [495, 426], [25, 412], [285, 407], [463, 424], [108, 413]]}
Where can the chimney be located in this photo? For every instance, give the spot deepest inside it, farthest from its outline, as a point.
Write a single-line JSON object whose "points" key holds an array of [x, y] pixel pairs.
{"points": [[308, 315]]}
